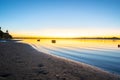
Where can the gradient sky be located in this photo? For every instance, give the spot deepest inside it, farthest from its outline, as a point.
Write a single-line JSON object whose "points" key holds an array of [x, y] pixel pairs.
{"points": [[61, 18]]}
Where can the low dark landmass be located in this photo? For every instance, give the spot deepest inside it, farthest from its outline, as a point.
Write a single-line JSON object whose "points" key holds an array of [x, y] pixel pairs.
{"points": [[20, 61], [109, 38], [113, 38], [5, 35]]}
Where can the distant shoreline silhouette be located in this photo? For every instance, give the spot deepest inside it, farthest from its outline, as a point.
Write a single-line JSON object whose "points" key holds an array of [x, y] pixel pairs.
{"points": [[5, 35], [107, 38]]}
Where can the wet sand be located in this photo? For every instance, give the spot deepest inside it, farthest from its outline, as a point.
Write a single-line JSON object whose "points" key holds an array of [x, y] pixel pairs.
{"points": [[20, 61]]}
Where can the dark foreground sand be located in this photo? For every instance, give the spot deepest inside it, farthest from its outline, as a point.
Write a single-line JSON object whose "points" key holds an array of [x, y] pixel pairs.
{"points": [[21, 62]]}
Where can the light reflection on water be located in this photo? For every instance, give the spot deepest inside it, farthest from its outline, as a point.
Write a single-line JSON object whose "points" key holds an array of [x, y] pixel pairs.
{"points": [[104, 54]]}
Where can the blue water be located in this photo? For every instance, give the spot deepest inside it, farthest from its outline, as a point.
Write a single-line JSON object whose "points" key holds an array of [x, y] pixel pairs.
{"points": [[3, 41], [103, 54]]}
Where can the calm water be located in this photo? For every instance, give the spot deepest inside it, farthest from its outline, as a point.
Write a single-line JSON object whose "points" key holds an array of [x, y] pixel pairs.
{"points": [[104, 54]]}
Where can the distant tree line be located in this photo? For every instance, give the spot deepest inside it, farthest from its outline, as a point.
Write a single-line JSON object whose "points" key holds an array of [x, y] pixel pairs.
{"points": [[100, 38], [5, 35]]}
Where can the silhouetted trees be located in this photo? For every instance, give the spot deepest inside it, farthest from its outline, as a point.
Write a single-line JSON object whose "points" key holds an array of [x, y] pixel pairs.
{"points": [[5, 35]]}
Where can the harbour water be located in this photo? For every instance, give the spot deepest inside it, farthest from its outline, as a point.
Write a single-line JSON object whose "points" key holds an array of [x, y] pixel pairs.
{"points": [[102, 53]]}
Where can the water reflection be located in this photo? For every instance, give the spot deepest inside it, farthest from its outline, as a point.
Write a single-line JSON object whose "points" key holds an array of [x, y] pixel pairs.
{"points": [[100, 53]]}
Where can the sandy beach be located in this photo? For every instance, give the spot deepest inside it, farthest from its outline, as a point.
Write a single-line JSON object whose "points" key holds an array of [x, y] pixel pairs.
{"points": [[20, 61]]}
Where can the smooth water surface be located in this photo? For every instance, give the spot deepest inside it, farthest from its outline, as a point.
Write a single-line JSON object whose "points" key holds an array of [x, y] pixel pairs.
{"points": [[104, 54]]}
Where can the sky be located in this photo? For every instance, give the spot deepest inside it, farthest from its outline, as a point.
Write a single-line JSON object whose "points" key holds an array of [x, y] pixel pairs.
{"points": [[60, 18]]}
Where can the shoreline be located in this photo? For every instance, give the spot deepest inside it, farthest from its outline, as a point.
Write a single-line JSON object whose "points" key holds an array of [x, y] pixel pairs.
{"points": [[73, 61], [20, 61]]}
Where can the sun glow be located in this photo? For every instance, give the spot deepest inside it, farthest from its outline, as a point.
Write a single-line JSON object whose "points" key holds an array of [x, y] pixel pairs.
{"points": [[68, 33]]}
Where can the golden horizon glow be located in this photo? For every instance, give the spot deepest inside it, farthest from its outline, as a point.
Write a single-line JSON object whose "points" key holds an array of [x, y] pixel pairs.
{"points": [[68, 33], [61, 18]]}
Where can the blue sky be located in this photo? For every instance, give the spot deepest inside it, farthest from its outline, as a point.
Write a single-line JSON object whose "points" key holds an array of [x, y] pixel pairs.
{"points": [[61, 17]]}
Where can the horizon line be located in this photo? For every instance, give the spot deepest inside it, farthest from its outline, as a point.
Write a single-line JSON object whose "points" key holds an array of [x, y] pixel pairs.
{"points": [[66, 37]]}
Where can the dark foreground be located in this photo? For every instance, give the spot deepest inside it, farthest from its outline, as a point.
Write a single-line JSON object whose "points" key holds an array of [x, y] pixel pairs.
{"points": [[21, 62]]}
